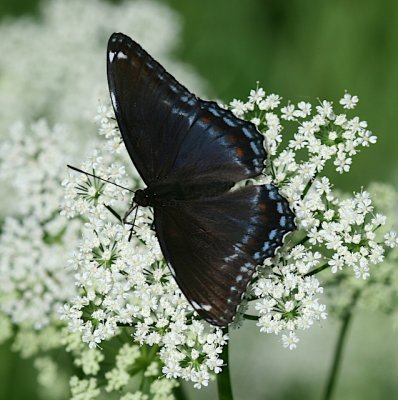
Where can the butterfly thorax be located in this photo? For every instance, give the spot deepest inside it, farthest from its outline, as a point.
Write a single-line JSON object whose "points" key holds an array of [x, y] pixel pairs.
{"points": [[159, 195], [142, 198], [168, 194]]}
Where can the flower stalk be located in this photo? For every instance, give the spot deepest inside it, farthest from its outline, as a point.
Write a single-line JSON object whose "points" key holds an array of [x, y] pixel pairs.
{"points": [[224, 378], [179, 393], [334, 370]]}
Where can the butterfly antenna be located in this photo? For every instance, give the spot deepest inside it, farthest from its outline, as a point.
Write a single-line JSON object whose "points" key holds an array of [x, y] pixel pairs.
{"points": [[97, 177]]}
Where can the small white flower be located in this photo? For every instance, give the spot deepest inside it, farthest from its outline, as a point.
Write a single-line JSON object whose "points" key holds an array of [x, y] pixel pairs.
{"points": [[391, 239], [342, 163], [271, 102], [348, 101], [336, 263], [290, 341], [325, 109], [84, 389], [256, 121], [303, 110], [238, 107], [288, 112], [365, 138], [332, 135], [257, 95]]}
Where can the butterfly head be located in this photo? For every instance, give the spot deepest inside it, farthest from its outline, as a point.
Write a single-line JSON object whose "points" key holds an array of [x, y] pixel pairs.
{"points": [[142, 198]]}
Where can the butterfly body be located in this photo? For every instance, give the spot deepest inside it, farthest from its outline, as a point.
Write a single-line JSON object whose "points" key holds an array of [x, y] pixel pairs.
{"points": [[190, 153]]}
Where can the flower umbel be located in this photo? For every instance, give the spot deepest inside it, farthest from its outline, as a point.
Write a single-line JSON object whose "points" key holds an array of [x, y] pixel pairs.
{"points": [[126, 285], [334, 232], [35, 239]]}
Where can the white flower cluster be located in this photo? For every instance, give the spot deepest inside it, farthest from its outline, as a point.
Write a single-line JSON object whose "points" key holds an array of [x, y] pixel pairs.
{"points": [[380, 292], [286, 299], [35, 241], [334, 231], [104, 373], [55, 64], [127, 283], [58, 77]]}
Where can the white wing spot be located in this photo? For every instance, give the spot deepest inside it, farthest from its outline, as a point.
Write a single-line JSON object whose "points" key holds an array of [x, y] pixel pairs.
{"points": [[111, 56], [230, 258], [272, 234], [239, 278], [229, 122], [113, 99], [256, 151], [195, 305], [247, 133], [121, 56], [172, 270], [214, 111], [245, 268]]}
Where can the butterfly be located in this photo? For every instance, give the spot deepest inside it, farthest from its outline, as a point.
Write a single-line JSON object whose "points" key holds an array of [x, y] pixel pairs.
{"points": [[190, 153]]}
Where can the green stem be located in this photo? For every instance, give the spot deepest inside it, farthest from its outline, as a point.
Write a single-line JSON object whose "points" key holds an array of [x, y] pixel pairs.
{"points": [[179, 392], [302, 241], [224, 378], [333, 374], [316, 270], [309, 184], [250, 317]]}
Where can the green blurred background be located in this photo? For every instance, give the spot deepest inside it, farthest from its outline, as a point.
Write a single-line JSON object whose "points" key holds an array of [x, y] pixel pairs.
{"points": [[302, 50]]}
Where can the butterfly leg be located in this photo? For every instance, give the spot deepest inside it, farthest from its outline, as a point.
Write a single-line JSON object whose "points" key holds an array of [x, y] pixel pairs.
{"points": [[114, 213], [126, 215], [152, 226], [128, 212]]}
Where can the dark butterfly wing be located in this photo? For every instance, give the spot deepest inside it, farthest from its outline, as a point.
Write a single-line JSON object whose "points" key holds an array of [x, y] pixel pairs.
{"points": [[213, 245], [212, 242], [170, 134]]}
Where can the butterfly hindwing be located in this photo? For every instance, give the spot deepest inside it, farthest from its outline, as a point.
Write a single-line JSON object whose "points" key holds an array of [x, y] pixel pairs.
{"points": [[170, 134], [213, 245]]}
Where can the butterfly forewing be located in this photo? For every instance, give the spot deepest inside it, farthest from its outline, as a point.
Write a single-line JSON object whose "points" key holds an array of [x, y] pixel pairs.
{"points": [[153, 110], [170, 134], [213, 245]]}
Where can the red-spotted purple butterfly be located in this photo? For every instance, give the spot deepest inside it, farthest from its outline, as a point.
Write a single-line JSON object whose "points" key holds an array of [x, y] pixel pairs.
{"points": [[189, 153]]}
